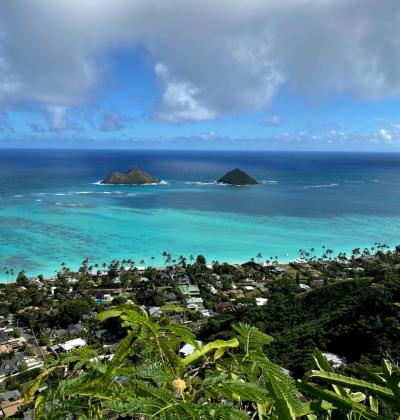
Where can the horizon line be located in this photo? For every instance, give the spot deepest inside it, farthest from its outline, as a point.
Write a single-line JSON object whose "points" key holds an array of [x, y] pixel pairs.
{"points": [[203, 150]]}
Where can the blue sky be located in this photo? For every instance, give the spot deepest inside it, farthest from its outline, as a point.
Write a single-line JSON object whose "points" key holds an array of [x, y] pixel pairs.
{"points": [[279, 75]]}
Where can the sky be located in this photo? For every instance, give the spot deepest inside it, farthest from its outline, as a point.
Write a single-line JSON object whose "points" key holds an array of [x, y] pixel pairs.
{"points": [[201, 74]]}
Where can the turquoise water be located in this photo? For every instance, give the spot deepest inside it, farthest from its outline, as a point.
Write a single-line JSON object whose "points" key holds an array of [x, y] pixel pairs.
{"points": [[52, 210]]}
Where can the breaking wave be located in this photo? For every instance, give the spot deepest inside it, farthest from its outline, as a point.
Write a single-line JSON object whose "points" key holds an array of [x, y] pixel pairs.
{"points": [[321, 186]]}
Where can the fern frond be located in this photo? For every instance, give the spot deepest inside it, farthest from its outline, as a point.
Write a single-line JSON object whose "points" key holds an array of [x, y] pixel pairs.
{"points": [[251, 337], [244, 390], [183, 332]]}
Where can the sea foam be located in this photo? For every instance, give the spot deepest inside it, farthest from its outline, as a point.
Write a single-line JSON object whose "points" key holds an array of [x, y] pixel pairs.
{"points": [[321, 186]]}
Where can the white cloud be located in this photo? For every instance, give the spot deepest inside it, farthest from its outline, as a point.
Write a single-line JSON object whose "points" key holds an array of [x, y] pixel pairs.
{"points": [[209, 135], [386, 136], [180, 100], [219, 57]]}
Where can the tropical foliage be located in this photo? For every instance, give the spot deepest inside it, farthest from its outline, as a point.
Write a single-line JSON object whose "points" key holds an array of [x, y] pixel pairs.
{"points": [[148, 378]]}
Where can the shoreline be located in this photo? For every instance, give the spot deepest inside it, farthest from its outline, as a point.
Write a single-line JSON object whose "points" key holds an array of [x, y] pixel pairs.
{"points": [[280, 262]]}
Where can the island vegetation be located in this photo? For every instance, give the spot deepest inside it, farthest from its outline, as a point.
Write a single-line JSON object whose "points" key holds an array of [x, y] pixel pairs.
{"points": [[134, 176], [316, 338]]}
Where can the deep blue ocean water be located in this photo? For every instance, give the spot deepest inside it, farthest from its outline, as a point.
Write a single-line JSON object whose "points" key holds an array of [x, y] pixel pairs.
{"points": [[52, 210]]}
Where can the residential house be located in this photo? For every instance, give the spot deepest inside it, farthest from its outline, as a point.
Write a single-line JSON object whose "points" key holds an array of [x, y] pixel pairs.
{"points": [[68, 345], [11, 408], [73, 344], [189, 291]]}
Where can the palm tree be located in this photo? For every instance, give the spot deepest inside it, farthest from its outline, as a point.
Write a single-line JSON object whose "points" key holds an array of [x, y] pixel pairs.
{"points": [[165, 255], [182, 261]]}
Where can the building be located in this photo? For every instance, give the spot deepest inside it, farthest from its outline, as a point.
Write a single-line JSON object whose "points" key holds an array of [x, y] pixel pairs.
{"points": [[261, 301], [11, 408], [189, 291], [69, 345]]}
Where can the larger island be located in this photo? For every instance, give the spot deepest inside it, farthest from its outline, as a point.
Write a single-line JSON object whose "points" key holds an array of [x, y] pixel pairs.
{"points": [[134, 177]]}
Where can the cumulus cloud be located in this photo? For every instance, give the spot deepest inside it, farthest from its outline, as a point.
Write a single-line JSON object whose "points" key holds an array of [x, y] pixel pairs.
{"points": [[385, 136], [211, 58], [181, 100]]}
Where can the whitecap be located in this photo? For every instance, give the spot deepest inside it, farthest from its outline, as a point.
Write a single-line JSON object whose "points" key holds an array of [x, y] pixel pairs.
{"points": [[18, 195], [162, 182], [267, 181], [201, 183], [321, 186], [39, 199], [380, 181], [70, 204], [353, 181]]}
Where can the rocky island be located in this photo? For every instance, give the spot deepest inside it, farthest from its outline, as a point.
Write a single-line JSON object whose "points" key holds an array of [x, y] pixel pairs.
{"points": [[237, 177], [134, 176]]}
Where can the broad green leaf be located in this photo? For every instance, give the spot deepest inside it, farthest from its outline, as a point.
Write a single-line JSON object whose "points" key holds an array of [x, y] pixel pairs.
{"points": [[371, 376], [346, 405], [219, 353], [324, 365], [352, 383], [315, 406], [374, 404], [204, 350], [391, 381], [121, 353], [37, 382], [119, 310]]}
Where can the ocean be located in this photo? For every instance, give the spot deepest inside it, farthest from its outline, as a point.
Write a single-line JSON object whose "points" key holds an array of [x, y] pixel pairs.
{"points": [[53, 210]]}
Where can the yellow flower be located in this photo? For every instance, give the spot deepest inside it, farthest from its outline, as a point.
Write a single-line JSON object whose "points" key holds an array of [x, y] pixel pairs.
{"points": [[179, 385]]}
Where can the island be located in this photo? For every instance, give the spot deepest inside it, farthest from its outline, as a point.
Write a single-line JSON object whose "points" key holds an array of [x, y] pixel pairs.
{"points": [[134, 176], [237, 177]]}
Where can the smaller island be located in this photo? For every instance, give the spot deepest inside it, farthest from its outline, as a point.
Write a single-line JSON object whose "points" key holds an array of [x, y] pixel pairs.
{"points": [[134, 177], [237, 177]]}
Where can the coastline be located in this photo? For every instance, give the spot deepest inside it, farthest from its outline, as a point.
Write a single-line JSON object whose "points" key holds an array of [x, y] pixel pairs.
{"points": [[62, 215], [159, 263]]}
